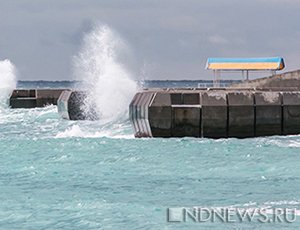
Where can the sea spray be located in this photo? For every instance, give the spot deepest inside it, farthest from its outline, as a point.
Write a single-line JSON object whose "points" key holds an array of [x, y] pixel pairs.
{"points": [[8, 82], [109, 85]]}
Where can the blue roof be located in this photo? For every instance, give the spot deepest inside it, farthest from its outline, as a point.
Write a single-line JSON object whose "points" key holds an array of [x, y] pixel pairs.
{"points": [[245, 60]]}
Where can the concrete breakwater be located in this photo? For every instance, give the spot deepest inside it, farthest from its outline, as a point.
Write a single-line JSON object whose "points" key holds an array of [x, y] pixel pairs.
{"points": [[32, 98], [215, 113], [270, 107], [212, 113]]}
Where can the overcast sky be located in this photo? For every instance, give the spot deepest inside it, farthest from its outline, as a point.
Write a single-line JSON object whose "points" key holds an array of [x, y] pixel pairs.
{"points": [[169, 39]]}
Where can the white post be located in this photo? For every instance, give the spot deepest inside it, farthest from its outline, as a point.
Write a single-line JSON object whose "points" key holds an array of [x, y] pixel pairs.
{"points": [[214, 81]]}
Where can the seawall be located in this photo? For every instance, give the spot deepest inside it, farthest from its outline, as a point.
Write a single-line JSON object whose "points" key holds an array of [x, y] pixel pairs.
{"points": [[215, 113]]}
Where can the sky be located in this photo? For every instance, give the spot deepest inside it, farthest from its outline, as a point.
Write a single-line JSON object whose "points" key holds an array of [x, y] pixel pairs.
{"points": [[168, 39]]}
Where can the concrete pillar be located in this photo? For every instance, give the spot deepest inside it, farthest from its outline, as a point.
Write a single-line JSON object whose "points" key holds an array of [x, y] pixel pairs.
{"points": [[214, 114], [268, 113], [186, 114], [160, 115], [241, 114], [291, 113], [186, 121]]}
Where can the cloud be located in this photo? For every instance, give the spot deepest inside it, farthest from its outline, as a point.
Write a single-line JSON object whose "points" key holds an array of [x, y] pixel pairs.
{"points": [[217, 40]]}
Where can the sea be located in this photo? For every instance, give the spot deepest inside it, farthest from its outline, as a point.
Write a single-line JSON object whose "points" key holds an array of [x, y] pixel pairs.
{"points": [[61, 174]]}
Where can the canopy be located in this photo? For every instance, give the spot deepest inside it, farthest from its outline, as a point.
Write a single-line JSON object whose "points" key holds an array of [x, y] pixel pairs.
{"points": [[272, 63]]}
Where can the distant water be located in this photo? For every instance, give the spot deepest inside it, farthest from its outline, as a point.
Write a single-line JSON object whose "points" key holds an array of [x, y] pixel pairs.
{"points": [[48, 84], [59, 174], [145, 84]]}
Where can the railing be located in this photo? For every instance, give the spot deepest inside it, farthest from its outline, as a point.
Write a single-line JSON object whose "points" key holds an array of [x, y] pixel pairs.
{"points": [[214, 85]]}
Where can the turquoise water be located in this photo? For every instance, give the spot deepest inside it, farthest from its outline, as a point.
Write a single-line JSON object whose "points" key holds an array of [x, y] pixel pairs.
{"points": [[58, 174]]}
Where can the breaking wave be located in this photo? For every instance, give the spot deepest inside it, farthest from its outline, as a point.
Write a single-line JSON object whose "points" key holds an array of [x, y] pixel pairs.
{"points": [[109, 84]]}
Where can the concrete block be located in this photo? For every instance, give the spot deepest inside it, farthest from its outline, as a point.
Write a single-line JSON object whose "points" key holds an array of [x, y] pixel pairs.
{"points": [[141, 116], [161, 99], [267, 98], [47, 96], [268, 113], [22, 102], [160, 115], [23, 98], [76, 106], [241, 118], [42, 97], [142, 126], [214, 114], [241, 98], [191, 98], [186, 121], [17, 93], [185, 98], [291, 113], [176, 99]]}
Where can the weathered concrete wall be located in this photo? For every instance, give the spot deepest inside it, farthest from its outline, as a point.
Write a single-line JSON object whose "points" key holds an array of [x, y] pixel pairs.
{"points": [[31, 98], [215, 113]]}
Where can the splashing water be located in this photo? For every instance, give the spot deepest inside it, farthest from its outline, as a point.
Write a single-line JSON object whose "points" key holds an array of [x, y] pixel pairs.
{"points": [[8, 81], [109, 84]]}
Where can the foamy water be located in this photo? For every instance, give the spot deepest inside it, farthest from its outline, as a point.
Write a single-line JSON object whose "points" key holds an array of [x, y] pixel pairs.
{"points": [[8, 81]]}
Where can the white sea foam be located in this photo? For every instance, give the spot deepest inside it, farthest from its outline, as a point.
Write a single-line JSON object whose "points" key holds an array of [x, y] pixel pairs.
{"points": [[286, 142], [7, 81], [87, 132], [109, 84]]}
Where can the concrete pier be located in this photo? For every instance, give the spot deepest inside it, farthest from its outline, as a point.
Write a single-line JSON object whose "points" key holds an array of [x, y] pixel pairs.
{"points": [[32, 98], [215, 113], [270, 107]]}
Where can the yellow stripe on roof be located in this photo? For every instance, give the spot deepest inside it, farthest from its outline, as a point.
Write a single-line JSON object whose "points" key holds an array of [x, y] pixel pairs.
{"points": [[245, 66]]}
